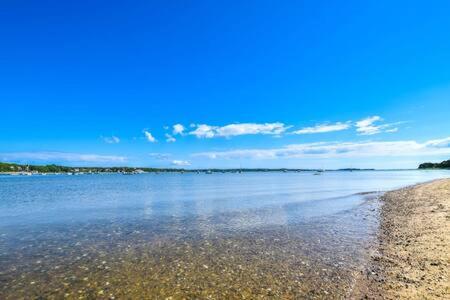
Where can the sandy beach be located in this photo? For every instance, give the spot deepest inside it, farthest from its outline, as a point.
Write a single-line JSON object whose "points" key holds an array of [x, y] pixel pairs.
{"points": [[412, 258]]}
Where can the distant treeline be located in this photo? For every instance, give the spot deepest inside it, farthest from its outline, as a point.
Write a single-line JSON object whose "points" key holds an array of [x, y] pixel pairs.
{"points": [[12, 168], [442, 165]]}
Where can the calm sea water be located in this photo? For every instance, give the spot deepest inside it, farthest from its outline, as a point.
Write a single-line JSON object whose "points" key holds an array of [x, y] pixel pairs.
{"points": [[59, 199], [190, 235]]}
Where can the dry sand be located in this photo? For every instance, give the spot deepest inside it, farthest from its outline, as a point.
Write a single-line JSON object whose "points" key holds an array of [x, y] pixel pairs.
{"points": [[412, 259]]}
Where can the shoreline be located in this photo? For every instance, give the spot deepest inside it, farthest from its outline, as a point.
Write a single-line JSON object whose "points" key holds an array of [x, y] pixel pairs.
{"points": [[411, 259]]}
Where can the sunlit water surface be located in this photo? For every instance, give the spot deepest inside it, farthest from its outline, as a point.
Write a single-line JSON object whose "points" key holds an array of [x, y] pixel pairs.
{"points": [[190, 235]]}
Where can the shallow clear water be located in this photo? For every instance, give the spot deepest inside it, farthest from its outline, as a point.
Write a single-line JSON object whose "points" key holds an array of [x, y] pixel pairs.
{"points": [[59, 198], [189, 235]]}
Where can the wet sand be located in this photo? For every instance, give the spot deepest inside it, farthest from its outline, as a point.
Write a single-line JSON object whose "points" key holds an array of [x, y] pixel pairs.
{"points": [[412, 259]]}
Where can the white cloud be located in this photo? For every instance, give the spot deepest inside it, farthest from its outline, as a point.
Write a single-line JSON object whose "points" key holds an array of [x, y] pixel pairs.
{"points": [[251, 128], [170, 139], [367, 126], [181, 163], [111, 139], [339, 150], [178, 129], [60, 157], [149, 136], [208, 131], [204, 131], [323, 128]]}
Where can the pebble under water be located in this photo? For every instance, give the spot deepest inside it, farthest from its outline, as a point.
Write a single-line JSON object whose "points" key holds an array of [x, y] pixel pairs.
{"points": [[275, 248]]}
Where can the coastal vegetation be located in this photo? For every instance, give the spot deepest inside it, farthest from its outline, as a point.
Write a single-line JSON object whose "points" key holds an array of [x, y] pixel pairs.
{"points": [[442, 165], [45, 169], [17, 168]]}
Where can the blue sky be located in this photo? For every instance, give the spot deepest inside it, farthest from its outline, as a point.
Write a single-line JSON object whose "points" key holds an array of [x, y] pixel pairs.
{"points": [[256, 84]]}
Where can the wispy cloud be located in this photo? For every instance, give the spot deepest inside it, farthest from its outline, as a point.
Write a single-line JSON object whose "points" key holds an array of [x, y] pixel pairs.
{"points": [[149, 136], [181, 163], [178, 129], [170, 139], [51, 157], [339, 150], [440, 143], [321, 128], [111, 139], [167, 156], [160, 156], [208, 131], [367, 126]]}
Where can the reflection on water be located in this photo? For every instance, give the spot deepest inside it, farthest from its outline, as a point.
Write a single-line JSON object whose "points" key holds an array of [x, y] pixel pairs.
{"points": [[173, 235]]}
